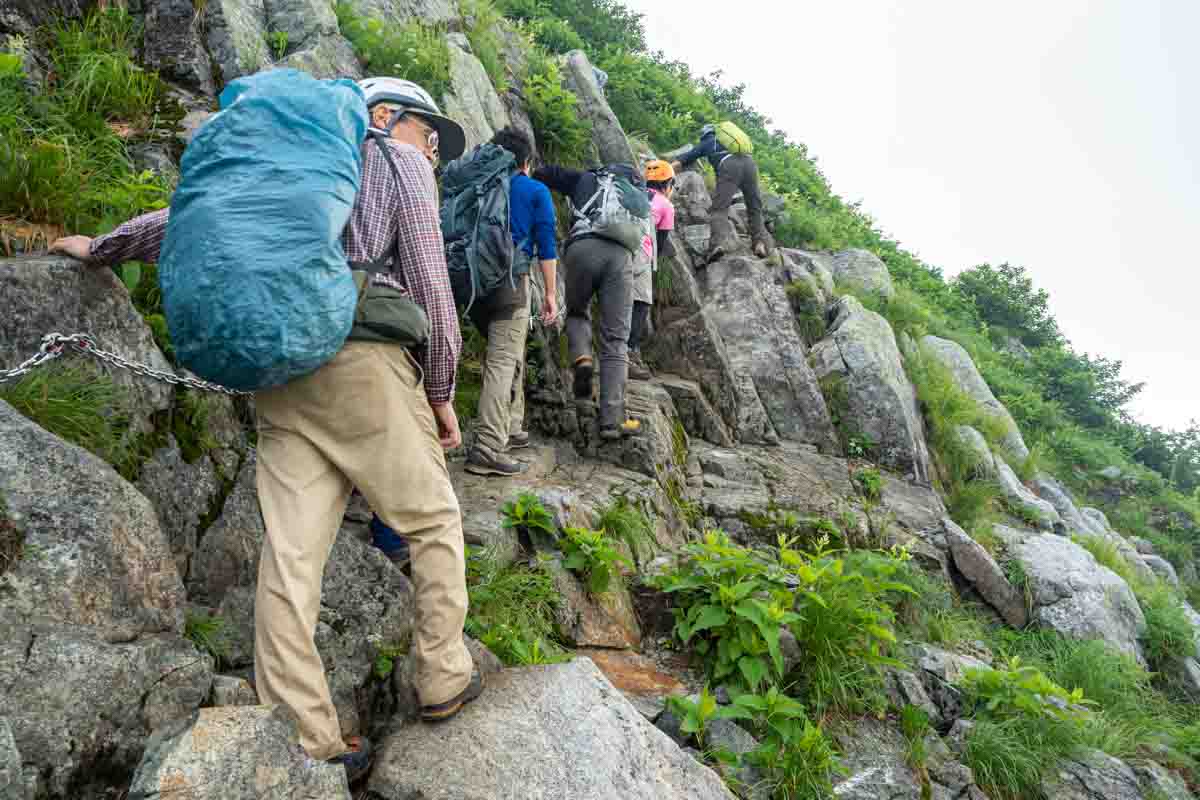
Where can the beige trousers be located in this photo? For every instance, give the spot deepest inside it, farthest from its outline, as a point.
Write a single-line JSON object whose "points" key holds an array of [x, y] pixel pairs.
{"points": [[361, 420], [502, 395]]}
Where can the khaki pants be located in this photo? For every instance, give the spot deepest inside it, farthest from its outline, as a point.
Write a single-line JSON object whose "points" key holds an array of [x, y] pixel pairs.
{"points": [[502, 395], [361, 420]]}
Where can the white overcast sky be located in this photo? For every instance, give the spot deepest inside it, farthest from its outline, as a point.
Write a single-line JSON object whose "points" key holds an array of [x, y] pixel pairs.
{"points": [[1063, 135]]}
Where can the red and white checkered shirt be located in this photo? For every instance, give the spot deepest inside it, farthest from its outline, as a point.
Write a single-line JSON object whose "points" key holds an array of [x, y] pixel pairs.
{"points": [[381, 210]]}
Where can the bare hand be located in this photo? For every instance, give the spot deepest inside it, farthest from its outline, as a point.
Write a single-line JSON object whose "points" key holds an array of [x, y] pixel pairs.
{"points": [[550, 310], [79, 247], [447, 422]]}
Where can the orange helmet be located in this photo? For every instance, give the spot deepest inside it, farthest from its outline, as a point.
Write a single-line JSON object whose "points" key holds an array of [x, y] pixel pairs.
{"points": [[659, 171]]}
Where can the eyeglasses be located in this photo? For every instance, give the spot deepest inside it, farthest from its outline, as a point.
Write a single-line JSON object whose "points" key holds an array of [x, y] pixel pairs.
{"points": [[431, 135]]}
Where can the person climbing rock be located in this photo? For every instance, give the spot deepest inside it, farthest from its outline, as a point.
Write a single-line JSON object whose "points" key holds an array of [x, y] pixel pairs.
{"points": [[599, 261], [376, 416], [729, 151], [503, 316], [660, 182]]}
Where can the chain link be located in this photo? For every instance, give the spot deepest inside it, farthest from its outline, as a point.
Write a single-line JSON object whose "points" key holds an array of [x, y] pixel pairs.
{"points": [[54, 344]]}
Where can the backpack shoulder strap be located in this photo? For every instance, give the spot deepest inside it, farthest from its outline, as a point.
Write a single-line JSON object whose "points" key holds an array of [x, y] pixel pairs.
{"points": [[390, 260]]}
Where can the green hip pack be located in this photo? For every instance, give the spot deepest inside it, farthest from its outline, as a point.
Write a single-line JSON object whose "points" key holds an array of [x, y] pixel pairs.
{"points": [[387, 315]]}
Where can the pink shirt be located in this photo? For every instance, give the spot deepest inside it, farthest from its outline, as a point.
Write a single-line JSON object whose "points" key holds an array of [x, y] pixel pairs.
{"points": [[663, 214]]}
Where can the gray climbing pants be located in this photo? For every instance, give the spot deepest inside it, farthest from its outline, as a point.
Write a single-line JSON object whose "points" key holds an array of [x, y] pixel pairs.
{"points": [[737, 173], [601, 268]]}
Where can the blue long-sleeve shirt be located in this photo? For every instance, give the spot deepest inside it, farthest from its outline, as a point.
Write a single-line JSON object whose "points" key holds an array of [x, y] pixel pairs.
{"points": [[708, 148], [531, 211]]}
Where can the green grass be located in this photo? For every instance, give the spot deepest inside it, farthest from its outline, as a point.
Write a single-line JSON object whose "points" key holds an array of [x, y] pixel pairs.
{"points": [[512, 610], [1169, 633], [12, 540], [74, 403], [208, 633], [626, 522], [411, 51], [809, 310], [563, 137], [483, 21], [61, 162], [1009, 756]]}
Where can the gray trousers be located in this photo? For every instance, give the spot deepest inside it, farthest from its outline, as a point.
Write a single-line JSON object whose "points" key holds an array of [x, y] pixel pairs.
{"points": [[737, 172], [598, 267]]}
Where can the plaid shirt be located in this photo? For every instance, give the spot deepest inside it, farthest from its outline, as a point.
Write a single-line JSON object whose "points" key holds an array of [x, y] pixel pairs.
{"points": [[381, 211]]}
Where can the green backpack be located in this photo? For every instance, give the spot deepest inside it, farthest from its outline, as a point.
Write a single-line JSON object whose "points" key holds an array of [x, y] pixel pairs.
{"points": [[734, 139]]}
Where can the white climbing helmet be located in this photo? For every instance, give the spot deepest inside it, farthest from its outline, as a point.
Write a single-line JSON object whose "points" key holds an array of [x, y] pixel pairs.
{"points": [[411, 97]]}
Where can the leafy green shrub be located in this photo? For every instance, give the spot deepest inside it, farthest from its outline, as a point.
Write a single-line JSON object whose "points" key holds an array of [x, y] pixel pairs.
{"points": [[511, 610], [483, 22], [411, 51], [593, 556], [1017, 691], [869, 483], [529, 518], [209, 634], [797, 757], [61, 162], [556, 35], [74, 403], [626, 522], [694, 715], [563, 137], [914, 724]]}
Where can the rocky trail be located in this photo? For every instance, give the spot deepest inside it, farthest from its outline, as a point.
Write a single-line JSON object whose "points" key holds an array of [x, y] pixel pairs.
{"points": [[781, 404]]}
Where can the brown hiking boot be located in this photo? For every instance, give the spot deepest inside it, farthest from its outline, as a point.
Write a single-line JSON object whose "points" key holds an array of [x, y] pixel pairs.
{"points": [[638, 370], [482, 461], [583, 377], [441, 712], [760, 250], [627, 428]]}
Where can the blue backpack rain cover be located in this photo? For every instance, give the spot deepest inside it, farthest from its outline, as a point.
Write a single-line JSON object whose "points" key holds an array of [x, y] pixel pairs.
{"points": [[254, 280]]}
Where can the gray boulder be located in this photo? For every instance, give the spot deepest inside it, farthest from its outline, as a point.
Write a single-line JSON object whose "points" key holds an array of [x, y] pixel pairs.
{"points": [[1098, 526], [698, 416], [1073, 594], [45, 294], [952, 356], [95, 554], [587, 620], [818, 266], [1048, 488], [985, 461], [12, 779], [428, 12], [24, 17], [1092, 775], [235, 753], [941, 672], [472, 100], [862, 271], [768, 356], [874, 756], [540, 733], [860, 351], [325, 57], [183, 496], [1025, 503], [608, 137], [691, 199], [82, 706], [1143, 546], [1162, 568], [982, 571], [236, 37], [173, 45], [1159, 783], [228, 554], [230, 690]]}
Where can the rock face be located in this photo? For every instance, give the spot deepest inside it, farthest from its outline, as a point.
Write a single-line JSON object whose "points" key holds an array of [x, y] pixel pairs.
{"points": [[45, 294], [587, 620], [608, 137], [235, 754], [952, 356], [982, 571], [183, 495], [1162, 568], [818, 266], [1073, 594], [430, 12], [860, 351], [1159, 784], [746, 306], [1092, 776], [1031, 507], [874, 757], [862, 271], [82, 706], [96, 555], [173, 45], [541, 733], [1049, 489], [472, 100], [12, 781]]}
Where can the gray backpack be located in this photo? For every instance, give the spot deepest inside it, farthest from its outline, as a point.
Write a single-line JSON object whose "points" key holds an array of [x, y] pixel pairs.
{"points": [[617, 212]]}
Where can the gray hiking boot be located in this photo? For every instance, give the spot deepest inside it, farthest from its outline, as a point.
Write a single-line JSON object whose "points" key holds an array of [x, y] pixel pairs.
{"points": [[482, 461], [518, 440], [638, 370]]}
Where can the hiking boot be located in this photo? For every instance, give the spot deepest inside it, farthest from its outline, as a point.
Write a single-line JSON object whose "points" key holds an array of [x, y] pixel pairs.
{"points": [[444, 711], [518, 441], [627, 428], [388, 542], [638, 370], [583, 377], [760, 250], [482, 461], [356, 760]]}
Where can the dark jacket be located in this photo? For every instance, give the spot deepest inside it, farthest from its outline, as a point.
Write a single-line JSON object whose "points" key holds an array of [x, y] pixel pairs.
{"points": [[708, 148]]}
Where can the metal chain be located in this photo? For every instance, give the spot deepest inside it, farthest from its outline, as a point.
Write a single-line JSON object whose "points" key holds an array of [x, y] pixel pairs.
{"points": [[54, 344]]}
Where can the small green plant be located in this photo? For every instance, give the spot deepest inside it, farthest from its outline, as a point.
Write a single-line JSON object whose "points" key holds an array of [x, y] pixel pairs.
{"points": [[625, 521], [689, 510], [593, 556], [1107, 554], [694, 715], [278, 40], [387, 656], [869, 483], [528, 517], [1023, 691], [860, 445], [809, 310], [1014, 571], [512, 609], [1009, 756], [209, 634], [914, 724], [796, 756], [1025, 512], [414, 51]]}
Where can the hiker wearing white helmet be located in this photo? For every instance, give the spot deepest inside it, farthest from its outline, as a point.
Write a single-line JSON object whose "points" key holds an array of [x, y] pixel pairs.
{"points": [[376, 416]]}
